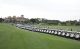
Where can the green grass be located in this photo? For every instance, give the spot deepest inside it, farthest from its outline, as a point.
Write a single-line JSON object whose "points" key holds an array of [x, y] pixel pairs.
{"points": [[74, 28], [68, 28], [15, 38]]}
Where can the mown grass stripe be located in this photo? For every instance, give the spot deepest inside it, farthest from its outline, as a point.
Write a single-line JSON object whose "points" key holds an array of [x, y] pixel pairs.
{"points": [[14, 38]]}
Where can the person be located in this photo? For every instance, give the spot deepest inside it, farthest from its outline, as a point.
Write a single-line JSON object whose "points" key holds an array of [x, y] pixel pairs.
{"points": [[71, 29]]}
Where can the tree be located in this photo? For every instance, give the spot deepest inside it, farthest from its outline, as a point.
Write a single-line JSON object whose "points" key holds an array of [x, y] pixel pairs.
{"points": [[63, 23], [27, 21], [71, 22], [34, 20], [14, 19], [68, 23], [9, 19], [44, 20], [22, 16], [1, 20], [78, 23]]}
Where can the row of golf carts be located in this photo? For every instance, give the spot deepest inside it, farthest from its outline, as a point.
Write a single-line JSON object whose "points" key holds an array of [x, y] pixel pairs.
{"points": [[63, 33]]}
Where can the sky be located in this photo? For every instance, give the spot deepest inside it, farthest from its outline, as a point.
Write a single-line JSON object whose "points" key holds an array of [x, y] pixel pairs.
{"points": [[50, 9]]}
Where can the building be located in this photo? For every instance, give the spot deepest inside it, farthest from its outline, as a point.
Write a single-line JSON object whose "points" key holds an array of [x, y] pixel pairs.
{"points": [[15, 19]]}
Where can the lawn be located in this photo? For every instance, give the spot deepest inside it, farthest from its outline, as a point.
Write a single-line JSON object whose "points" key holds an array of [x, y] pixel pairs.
{"points": [[68, 28], [15, 38]]}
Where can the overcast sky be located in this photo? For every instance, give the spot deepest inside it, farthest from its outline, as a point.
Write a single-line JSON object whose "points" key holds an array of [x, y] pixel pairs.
{"points": [[50, 9]]}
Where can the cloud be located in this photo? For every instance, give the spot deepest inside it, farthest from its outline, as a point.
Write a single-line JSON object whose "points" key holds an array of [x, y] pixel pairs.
{"points": [[50, 9]]}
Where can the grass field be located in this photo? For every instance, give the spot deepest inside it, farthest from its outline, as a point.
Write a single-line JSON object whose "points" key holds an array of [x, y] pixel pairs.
{"points": [[15, 38], [68, 28]]}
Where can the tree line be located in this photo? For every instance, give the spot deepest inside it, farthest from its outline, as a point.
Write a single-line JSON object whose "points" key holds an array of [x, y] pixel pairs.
{"points": [[21, 19]]}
